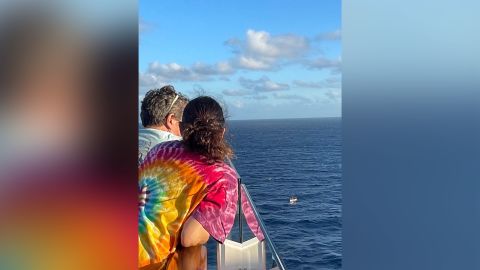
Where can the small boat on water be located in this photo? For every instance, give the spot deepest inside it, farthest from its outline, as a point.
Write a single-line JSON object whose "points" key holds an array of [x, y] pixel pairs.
{"points": [[293, 200]]}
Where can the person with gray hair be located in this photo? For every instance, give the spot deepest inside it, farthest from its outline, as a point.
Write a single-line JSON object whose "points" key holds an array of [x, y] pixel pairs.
{"points": [[161, 114]]}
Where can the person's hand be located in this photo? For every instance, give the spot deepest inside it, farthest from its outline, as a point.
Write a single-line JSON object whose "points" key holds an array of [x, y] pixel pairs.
{"points": [[142, 197]]}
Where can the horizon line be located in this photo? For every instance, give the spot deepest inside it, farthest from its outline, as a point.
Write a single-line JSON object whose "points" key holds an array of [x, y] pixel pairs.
{"points": [[262, 119], [290, 118]]}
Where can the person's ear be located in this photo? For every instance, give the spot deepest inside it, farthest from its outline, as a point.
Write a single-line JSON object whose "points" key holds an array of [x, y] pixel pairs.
{"points": [[169, 121]]}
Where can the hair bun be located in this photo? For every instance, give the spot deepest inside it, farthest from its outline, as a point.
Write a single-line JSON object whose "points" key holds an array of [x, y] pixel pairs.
{"points": [[203, 129]]}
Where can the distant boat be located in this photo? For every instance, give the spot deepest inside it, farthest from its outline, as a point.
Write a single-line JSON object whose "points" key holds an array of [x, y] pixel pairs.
{"points": [[293, 200]]}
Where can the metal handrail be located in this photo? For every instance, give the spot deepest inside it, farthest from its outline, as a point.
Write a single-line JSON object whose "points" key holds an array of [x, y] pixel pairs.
{"points": [[279, 261], [239, 181], [269, 241]]}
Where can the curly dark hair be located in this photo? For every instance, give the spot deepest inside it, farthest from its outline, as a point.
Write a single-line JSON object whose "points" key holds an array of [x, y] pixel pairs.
{"points": [[159, 103], [203, 127]]}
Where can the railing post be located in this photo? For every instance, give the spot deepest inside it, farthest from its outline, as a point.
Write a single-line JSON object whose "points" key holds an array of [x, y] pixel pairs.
{"points": [[275, 255], [239, 201], [240, 225], [276, 258]]}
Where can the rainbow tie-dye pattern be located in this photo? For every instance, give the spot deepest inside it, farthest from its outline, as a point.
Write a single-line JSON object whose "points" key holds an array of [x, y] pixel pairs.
{"points": [[172, 183]]}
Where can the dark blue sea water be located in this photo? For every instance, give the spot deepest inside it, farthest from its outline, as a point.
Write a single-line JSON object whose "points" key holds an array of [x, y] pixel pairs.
{"points": [[301, 157]]}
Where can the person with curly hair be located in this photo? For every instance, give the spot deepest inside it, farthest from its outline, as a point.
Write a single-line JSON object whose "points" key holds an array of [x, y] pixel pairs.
{"points": [[161, 113], [187, 192]]}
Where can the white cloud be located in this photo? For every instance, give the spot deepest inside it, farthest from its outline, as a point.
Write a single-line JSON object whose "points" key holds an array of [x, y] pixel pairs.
{"points": [[261, 43], [306, 84], [323, 63], [235, 92], [170, 71], [160, 73], [220, 68], [253, 63], [151, 80], [264, 84], [332, 82], [258, 50], [262, 51], [292, 97], [257, 97]]}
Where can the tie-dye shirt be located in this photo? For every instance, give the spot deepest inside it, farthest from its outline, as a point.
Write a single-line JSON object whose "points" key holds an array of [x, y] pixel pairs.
{"points": [[149, 137], [175, 184]]}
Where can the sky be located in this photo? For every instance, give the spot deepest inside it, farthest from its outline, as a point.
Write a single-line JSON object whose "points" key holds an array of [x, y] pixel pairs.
{"points": [[260, 59]]}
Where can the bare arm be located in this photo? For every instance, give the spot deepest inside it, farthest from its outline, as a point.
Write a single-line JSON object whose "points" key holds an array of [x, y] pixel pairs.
{"points": [[193, 233]]}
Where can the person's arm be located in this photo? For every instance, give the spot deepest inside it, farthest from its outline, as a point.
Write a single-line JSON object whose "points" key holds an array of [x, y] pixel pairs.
{"points": [[215, 215], [193, 233]]}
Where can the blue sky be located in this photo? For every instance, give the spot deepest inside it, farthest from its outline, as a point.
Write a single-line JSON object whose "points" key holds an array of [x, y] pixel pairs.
{"points": [[261, 59]]}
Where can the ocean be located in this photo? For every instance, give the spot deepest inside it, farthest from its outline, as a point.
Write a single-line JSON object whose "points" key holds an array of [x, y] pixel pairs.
{"points": [[281, 158]]}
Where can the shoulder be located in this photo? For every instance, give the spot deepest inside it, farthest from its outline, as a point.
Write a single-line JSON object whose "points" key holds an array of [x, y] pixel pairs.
{"points": [[228, 171], [155, 135], [166, 150], [147, 134], [221, 173]]}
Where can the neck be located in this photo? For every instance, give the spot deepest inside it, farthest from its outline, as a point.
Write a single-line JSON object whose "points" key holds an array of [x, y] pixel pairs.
{"points": [[158, 127]]}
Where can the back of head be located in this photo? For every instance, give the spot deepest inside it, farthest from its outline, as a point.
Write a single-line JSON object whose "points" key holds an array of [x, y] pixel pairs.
{"points": [[159, 103], [203, 128]]}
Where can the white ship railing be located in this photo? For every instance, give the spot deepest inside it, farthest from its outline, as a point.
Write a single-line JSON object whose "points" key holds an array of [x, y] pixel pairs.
{"points": [[275, 256]]}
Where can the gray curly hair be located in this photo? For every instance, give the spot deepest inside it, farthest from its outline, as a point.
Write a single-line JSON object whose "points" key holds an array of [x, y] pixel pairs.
{"points": [[159, 103]]}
